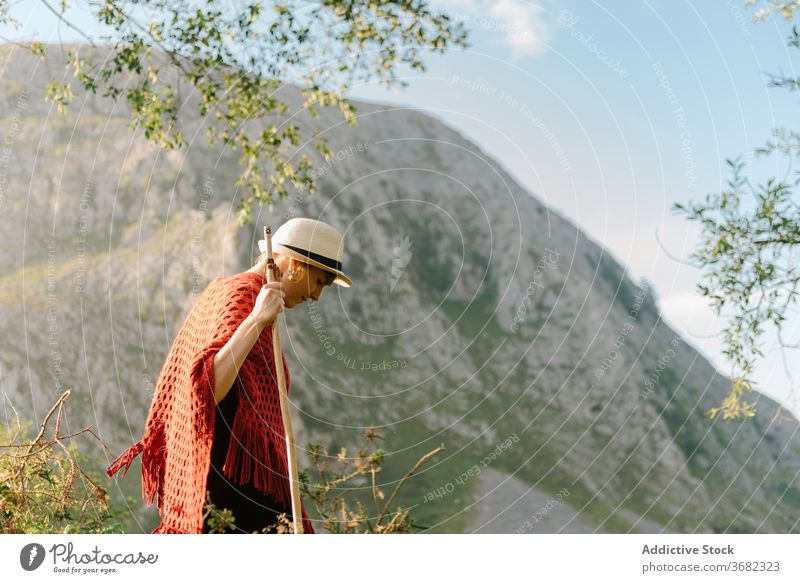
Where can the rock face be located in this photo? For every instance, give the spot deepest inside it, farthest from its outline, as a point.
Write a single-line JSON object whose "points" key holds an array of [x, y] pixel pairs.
{"points": [[478, 318]]}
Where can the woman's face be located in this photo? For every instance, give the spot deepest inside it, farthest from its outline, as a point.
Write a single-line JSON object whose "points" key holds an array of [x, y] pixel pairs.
{"points": [[309, 285]]}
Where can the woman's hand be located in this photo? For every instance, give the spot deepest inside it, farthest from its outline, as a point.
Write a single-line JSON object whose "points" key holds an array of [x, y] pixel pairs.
{"points": [[269, 304]]}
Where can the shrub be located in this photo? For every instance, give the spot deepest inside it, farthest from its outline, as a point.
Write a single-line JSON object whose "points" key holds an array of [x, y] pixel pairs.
{"points": [[44, 487]]}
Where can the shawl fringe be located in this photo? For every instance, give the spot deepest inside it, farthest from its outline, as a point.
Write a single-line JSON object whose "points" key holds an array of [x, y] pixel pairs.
{"points": [[250, 443], [153, 464]]}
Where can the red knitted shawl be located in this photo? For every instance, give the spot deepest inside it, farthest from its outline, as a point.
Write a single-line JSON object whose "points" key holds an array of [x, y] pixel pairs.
{"points": [[179, 432]]}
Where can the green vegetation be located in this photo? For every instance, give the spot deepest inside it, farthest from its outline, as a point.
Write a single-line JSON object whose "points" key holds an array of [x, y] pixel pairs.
{"points": [[335, 485], [45, 487]]}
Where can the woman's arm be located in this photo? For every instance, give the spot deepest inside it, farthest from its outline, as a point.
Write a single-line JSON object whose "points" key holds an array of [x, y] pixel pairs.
{"points": [[230, 357]]}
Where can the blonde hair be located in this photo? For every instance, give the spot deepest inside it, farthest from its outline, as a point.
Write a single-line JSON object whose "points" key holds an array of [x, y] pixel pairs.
{"points": [[329, 275]]}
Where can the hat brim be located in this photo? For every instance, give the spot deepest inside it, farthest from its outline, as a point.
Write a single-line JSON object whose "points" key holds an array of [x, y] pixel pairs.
{"points": [[341, 279]]}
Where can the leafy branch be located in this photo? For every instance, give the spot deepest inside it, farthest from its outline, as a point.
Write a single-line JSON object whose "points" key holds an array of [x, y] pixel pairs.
{"points": [[330, 493], [748, 250], [234, 58]]}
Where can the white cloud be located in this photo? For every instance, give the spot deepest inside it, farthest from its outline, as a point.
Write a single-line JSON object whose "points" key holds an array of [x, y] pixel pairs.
{"points": [[517, 22], [522, 27], [465, 5]]}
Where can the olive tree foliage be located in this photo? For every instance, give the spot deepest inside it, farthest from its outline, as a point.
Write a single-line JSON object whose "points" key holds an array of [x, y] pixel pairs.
{"points": [[749, 249], [767, 7], [234, 55]]}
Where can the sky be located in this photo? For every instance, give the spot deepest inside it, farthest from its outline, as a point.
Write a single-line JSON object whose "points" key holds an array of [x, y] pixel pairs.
{"points": [[610, 112]]}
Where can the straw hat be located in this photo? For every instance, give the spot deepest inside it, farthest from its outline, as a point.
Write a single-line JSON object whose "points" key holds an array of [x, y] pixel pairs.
{"points": [[312, 242]]}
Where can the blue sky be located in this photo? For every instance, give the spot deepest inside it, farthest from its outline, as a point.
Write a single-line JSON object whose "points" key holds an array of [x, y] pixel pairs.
{"points": [[610, 112]]}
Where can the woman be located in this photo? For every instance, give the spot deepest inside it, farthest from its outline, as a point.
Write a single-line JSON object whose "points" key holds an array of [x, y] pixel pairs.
{"points": [[214, 429]]}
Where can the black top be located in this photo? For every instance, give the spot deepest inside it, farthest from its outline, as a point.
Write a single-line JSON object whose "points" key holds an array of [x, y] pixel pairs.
{"points": [[253, 510]]}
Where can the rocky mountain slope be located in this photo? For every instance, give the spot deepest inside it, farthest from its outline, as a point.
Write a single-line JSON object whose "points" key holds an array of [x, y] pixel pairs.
{"points": [[478, 318]]}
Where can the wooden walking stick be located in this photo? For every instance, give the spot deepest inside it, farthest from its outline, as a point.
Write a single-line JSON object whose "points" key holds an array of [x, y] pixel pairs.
{"points": [[287, 420]]}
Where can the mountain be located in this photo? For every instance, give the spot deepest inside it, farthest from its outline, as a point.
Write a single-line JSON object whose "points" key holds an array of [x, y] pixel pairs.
{"points": [[478, 319]]}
